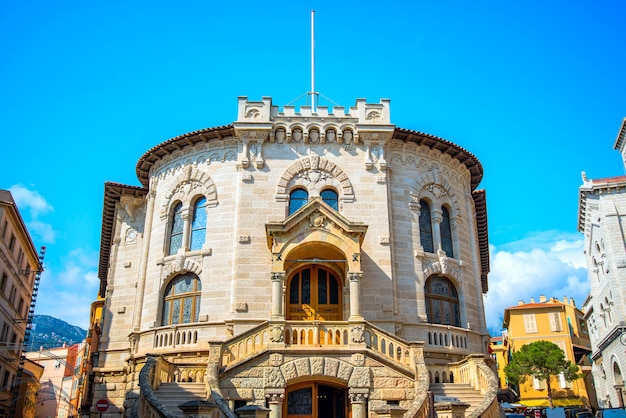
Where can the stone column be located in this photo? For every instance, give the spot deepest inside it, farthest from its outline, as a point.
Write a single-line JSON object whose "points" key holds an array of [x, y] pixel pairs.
{"points": [[355, 295], [278, 279], [437, 218], [275, 400], [186, 215], [143, 267], [358, 402]]}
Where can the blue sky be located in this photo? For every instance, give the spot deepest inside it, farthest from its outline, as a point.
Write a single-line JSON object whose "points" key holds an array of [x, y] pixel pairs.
{"points": [[534, 89]]}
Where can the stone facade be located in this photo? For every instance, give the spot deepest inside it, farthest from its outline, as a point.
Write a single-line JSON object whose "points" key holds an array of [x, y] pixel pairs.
{"points": [[338, 294], [601, 208]]}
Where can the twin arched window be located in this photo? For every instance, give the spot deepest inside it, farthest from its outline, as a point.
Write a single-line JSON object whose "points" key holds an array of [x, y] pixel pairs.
{"points": [[197, 228], [442, 302], [181, 300], [299, 197], [426, 230]]}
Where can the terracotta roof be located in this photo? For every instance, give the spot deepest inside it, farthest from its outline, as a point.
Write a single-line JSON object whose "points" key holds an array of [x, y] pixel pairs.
{"points": [[112, 194], [480, 203], [621, 135], [170, 146], [446, 147]]}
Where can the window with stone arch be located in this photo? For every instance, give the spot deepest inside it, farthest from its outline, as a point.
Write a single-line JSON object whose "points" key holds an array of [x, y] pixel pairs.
{"points": [[442, 302], [330, 197], [198, 224], [446, 232], [181, 300], [426, 227], [297, 198], [176, 229]]}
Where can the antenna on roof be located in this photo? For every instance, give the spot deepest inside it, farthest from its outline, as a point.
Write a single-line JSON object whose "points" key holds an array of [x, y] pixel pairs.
{"points": [[312, 93]]}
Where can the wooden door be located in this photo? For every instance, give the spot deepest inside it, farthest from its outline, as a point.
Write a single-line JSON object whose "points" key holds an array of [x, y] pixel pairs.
{"points": [[314, 293]]}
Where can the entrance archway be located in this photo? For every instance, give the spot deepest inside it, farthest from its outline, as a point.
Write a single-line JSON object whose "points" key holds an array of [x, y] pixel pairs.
{"points": [[316, 400], [314, 292]]}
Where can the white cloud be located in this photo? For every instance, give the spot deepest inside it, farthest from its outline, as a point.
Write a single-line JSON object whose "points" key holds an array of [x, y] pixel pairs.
{"points": [[32, 202], [67, 293], [546, 263], [30, 199]]}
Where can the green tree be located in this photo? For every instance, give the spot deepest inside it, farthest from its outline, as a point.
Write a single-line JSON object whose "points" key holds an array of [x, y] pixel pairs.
{"points": [[540, 360]]}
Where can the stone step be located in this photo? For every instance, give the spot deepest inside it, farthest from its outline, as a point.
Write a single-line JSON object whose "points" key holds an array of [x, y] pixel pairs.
{"points": [[173, 394], [446, 392]]}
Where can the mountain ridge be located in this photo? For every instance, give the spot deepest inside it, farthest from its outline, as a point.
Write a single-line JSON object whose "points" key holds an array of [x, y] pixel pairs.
{"points": [[50, 332]]}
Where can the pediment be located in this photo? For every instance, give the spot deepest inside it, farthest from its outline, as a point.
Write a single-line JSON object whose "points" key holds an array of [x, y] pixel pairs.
{"points": [[315, 221]]}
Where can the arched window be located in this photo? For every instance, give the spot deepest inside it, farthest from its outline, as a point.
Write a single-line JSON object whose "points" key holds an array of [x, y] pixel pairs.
{"points": [[446, 233], [181, 301], [329, 196], [198, 224], [297, 199], [442, 302], [176, 231], [426, 227]]}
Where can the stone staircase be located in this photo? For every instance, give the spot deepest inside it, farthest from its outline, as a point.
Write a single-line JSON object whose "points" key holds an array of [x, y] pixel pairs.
{"points": [[173, 394], [446, 392]]}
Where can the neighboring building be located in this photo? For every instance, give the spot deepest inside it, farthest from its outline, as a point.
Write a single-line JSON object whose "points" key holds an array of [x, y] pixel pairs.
{"points": [[19, 265], [561, 323], [317, 263], [499, 352], [90, 357], [601, 210], [28, 392], [58, 395]]}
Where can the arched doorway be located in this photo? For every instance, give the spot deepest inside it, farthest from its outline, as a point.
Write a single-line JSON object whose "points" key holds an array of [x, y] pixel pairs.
{"points": [[314, 293], [316, 400]]}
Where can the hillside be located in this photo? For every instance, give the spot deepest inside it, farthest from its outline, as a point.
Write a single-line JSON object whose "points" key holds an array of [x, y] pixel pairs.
{"points": [[50, 332]]}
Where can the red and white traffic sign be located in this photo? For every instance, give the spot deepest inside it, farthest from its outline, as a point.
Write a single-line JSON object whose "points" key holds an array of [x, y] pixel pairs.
{"points": [[102, 405]]}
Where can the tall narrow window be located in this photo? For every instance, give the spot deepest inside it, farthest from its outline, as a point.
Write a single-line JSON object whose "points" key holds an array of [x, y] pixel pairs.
{"points": [[297, 199], [329, 197], [176, 233], [442, 302], [530, 323], [181, 301], [426, 227], [198, 225], [446, 233]]}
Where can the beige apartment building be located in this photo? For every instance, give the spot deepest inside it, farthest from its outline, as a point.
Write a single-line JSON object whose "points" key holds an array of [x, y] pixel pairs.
{"points": [[307, 262], [19, 266]]}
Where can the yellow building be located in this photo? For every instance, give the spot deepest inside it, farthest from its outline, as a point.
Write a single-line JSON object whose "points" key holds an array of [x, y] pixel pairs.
{"points": [[561, 323]]}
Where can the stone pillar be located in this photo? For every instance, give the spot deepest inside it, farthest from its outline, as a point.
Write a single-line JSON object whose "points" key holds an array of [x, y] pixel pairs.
{"points": [[358, 402], [278, 279], [186, 215], [437, 218], [252, 411], [143, 267], [355, 295], [275, 399]]}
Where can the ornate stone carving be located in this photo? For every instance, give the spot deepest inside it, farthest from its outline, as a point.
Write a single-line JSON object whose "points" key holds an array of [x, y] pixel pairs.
{"points": [[276, 334], [355, 276], [317, 220], [358, 397], [357, 334]]}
